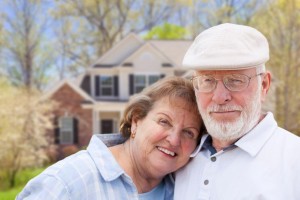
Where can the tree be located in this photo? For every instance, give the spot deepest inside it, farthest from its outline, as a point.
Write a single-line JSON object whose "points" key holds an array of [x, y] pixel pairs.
{"points": [[25, 54], [281, 24], [211, 13], [88, 28], [167, 31], [25, 118]]}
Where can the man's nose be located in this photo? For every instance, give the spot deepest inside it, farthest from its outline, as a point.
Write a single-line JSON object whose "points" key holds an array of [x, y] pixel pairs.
{"points": [[221, 95]]}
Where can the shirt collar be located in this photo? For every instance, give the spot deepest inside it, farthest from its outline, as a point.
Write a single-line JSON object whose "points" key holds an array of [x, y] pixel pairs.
{"points": [[104, 160], [251, 143], [199, 147]]}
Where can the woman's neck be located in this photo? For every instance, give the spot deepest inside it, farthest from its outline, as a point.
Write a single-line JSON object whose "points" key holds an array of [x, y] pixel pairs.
{"points": [[125, 157]]}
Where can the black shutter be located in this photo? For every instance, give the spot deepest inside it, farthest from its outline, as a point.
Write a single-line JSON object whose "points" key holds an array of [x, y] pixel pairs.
{"points": [[162, 76], [86, 84], [75, 130], [116, 86], [56, 130], [131, 84], [97, 85]]}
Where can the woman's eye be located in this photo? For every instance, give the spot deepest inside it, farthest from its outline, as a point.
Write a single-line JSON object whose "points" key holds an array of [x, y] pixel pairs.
{"points": [[164, 122], [189, 134]]}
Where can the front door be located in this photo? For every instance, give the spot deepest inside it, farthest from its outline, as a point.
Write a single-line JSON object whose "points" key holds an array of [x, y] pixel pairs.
{"points": [[106, 126]]}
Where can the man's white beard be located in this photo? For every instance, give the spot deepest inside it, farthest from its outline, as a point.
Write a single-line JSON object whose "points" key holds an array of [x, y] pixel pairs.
{"points": [[233, 130]]}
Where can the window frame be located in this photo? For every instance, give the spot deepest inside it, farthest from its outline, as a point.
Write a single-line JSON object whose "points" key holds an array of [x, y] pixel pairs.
{"points": [[102, 85], [146, 81], [66, 129]]}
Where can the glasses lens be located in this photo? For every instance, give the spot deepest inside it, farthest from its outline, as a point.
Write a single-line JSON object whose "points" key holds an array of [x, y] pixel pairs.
{"points": [[204, 83], [236, 82]]}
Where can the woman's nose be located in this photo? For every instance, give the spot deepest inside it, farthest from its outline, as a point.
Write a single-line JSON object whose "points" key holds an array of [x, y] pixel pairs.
{"points": [[174, 138]]}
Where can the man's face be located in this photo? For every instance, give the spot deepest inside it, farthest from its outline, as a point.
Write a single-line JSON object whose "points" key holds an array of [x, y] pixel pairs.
{"points": [[228, 115]]}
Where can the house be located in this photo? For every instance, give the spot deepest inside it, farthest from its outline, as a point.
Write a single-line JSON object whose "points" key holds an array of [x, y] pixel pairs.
{"points": [[95, 103]]}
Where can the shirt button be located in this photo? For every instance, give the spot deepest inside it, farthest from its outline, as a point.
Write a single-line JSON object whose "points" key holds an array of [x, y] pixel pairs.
{"points": [[206, 182], [213, 159]]}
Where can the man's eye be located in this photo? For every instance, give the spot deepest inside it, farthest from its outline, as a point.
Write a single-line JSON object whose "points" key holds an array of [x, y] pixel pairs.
{"points": [[208, 79], [235, 81]]}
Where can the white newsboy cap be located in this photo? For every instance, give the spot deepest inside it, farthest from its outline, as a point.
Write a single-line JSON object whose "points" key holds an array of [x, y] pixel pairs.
{"points": [[227, 47]]}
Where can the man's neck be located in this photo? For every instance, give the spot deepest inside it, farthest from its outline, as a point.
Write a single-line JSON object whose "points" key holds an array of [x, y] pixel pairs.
{"points": [[220, 144]]}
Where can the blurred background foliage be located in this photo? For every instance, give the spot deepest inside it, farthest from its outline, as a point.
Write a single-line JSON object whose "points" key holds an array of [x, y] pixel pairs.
{"points": [[44, 41]]}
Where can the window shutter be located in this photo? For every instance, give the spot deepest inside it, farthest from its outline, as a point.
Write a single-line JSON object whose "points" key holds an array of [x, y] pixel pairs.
{"points": [[97, 85], [75, 131], [116, 86], [56, 130], [162, 76], [131, 84]]}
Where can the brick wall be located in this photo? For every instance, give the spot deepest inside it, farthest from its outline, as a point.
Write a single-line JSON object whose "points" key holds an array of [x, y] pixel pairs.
{"points": [[70, 104]]}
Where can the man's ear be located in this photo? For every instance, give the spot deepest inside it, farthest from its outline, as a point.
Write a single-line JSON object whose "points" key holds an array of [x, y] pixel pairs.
{"points": [[266, 83]]}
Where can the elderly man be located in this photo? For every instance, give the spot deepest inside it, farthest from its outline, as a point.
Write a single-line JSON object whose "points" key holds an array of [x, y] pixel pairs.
{"points": [[245, 155]]}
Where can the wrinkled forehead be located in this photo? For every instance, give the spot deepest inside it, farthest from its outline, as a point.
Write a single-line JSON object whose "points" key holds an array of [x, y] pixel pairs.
{"points": [[177, 101], [223, 72]]}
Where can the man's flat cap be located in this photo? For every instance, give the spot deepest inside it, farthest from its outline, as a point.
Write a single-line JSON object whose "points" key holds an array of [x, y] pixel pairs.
{"points": [[227, 47]]}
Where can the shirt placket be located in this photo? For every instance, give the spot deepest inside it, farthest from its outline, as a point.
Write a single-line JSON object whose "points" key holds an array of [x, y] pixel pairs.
{"points": [[209, 173]]}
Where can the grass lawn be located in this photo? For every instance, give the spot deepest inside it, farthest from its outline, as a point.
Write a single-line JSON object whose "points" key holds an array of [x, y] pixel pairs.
{"points": [[10, 194], [22, 178]]}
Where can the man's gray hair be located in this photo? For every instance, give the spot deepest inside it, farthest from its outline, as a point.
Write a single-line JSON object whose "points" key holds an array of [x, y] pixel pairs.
{"points": [[260, 69]]}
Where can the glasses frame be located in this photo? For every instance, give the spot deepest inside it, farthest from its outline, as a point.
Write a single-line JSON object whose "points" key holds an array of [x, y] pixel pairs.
{"points": [[223, 81]]}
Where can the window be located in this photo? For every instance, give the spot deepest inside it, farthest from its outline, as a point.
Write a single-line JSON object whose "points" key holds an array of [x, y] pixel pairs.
{"points": [[153, 79], [141, 81], [66, 130], [106, 86]]}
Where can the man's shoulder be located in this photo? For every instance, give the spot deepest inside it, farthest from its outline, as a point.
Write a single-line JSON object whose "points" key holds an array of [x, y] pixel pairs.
{"points": [[288, 136]]}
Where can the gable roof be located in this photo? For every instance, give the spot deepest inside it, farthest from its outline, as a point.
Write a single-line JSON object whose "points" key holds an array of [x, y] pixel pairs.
{"points": [[174, 50], [151, 48], [77, 89], [120, 51]]}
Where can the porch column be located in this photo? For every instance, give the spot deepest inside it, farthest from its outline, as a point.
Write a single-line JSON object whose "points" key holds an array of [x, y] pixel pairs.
{"points": [[96, 123]]}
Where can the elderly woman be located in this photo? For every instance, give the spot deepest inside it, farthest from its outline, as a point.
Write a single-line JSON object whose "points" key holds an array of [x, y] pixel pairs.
{"points": [[161, 127]]}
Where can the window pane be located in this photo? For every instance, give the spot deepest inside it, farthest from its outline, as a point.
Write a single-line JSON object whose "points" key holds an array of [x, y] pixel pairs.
{"points": [[106, 91], [139, 80], [106, 80], [66, 137], [66, 130], [139, 89], [66, 123], [106, 85], [153, 79]]}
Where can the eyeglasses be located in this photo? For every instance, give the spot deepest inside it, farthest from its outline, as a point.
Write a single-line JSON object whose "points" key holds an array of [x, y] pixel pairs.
{"points": [[233, 82]]}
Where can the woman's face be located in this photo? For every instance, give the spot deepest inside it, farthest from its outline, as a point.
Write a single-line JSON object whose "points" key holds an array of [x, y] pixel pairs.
{"points": [[166, 137]]}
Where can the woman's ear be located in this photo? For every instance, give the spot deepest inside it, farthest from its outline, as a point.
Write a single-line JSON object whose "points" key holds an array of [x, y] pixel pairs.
{"points": [[133, 124]]}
